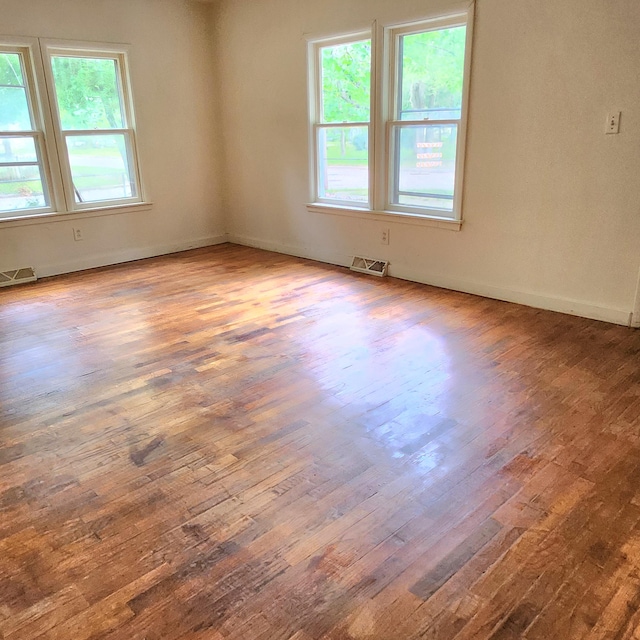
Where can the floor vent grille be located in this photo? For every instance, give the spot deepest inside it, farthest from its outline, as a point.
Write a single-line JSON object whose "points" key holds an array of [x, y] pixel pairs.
{"points": [[17, 276], [368, 265]]}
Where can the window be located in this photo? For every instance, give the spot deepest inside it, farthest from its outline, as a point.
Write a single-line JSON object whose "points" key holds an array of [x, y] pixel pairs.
{"points": [[343, 129], [67, 135], [388, 114], [24, 184]]}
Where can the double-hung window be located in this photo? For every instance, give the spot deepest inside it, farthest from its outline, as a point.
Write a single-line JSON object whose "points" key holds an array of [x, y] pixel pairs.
{"points": [[25, 184], [343, 128], [388, 118], [94, 125], [67, 129]]}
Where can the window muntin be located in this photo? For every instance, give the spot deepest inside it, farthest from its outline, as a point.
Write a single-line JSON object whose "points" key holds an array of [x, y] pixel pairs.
{"points": [[23, 184], [342, 126], [418, 87]]}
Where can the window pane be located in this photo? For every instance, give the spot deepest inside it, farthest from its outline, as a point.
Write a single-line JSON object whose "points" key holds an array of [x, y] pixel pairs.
{"points": [[88, 93], [21, 188], [11, 70], [346, 82], [343, 167], [18, 150], [14, 109], [425, 166], [100, 167], [431, 74]]}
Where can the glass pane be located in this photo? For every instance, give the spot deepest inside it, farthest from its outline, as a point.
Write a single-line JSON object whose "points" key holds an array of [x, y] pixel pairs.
{"points": [[88, 93], [14, 109], [18, 150], [11, 69], [431, 74], [100, 167], [21, 188], [425, 166], [346, 82], [343, 167]]}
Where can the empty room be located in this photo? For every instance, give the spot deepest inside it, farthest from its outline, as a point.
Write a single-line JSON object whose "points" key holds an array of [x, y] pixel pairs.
{"points": [[319, 319]]}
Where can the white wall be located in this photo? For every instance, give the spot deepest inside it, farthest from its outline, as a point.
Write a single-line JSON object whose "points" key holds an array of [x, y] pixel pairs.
{"points": [[171, 69], [551, 204]]}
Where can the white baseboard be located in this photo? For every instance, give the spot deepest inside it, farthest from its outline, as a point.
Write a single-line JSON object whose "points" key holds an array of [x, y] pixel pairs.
{"points": [[405, 272], [291, 250], [527, 298], [125, 255]]}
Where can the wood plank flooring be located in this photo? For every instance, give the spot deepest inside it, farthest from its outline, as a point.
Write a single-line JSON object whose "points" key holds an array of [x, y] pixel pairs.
{"points": [[230, 444]]}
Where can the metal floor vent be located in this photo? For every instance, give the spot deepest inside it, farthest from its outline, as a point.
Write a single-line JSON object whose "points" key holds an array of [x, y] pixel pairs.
{"points": [[17, 276], [368, 265]]}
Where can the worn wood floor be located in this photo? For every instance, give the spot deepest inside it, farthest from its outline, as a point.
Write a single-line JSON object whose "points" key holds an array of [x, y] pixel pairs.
{"points": [[229, 444]]}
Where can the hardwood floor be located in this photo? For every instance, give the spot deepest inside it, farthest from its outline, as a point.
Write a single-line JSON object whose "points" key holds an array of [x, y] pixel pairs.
{"points": [[229, 444]]}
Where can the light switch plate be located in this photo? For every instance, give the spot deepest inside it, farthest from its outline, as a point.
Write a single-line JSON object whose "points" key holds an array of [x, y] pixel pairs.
{"points": [[613, 123]]}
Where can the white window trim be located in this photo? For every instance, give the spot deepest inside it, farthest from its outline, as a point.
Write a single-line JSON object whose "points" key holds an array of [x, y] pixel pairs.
{"points": [[54, 160], [383, 74], [40, 218], [420, 220]]}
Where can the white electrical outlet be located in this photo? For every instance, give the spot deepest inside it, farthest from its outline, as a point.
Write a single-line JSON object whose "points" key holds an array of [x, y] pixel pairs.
{"points": [[384, 238], [613, 123], [77, 234]]}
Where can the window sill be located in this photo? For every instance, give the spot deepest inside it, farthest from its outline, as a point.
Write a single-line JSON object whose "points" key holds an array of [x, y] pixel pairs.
{"points": [[54, 216], [396, 216]]}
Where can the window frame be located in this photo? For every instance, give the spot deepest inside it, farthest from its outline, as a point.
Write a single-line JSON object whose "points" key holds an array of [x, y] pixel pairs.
{"points": [[54, 159], [118, 53], [316, 115], [29, 51], [384, 94]]}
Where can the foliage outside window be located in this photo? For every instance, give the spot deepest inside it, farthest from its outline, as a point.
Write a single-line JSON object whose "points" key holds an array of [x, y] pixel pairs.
{"points": [[23, 182], [67, 140], [343, 131], [393, 139]]}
